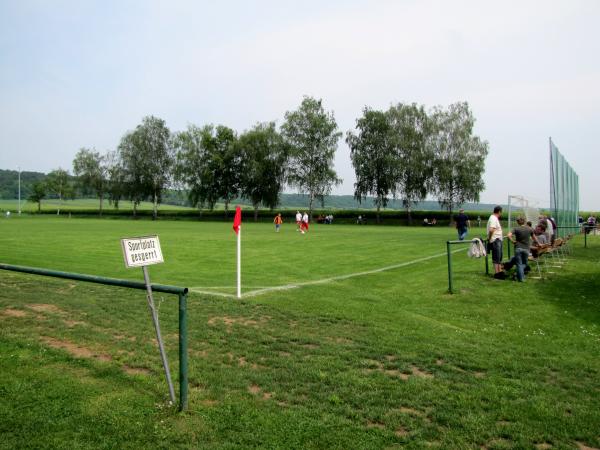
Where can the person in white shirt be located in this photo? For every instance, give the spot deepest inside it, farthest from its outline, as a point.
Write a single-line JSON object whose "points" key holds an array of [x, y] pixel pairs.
{"points": [[494, 233], [298, 220], [304, 225]]}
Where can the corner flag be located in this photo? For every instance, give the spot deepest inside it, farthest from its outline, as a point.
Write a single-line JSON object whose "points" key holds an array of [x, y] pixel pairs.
{"points": [[237, 227], [237, 220]]}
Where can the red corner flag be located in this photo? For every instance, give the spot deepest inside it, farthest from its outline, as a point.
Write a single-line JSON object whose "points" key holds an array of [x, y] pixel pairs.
{"points": [[237, 220]]}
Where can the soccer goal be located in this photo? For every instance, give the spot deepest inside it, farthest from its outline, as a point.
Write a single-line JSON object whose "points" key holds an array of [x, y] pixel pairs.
{"points": [[519, 205]]}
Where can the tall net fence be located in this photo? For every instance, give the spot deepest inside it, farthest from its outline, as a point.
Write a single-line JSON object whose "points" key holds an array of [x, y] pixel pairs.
{"points": [[564, 191]]}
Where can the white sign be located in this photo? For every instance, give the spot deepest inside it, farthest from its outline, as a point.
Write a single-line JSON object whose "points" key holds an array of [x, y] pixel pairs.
{"points": [[141, 251]]}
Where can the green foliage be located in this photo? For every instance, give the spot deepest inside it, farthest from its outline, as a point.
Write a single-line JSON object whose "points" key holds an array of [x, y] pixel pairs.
{"points": [[38, 193], [411, 128], [375, 163], [459, 156], [147, 158], [208, 164], [9, 183], [312, 135], [90, 168], [59, 183], [264, 165]]}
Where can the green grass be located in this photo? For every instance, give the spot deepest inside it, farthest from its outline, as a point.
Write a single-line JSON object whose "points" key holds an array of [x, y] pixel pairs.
{"points": [[79, 204], [382, 360]]}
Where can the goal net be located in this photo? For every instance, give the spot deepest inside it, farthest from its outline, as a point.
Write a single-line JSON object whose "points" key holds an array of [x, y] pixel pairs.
{"points": [[520, 206]]}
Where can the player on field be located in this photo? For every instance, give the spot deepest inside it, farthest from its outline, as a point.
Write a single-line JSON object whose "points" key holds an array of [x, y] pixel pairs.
{"points": [[298, 221], [278, 221], [304, 224]]}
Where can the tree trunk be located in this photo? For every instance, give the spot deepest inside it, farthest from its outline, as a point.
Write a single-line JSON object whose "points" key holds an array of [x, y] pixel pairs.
{"points": [[199, 212], [101, 201], [155, 207], [409, 215], [256, 213], [377, 218], [39, 206], [226, 208], [134, 209], [310, 206], [59, 202]]}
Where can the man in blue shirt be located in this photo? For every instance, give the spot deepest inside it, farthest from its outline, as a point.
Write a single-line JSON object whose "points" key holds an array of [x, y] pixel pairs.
{"points": [[462, 224]]}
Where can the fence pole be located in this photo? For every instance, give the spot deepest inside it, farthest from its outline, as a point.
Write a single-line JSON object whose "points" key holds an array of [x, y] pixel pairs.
{"points": [[449, 267], [183, 353]]}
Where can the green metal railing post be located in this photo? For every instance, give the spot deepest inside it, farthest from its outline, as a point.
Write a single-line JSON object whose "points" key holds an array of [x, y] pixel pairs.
{"points": [[449, 267], [167, 289], [183, 353]]}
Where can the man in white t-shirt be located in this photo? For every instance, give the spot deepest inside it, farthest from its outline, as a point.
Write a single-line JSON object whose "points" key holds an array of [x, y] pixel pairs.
{"points": [[298, 220], [494, 233]]}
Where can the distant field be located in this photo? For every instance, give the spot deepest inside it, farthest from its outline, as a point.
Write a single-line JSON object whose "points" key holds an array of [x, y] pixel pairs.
{"points": [[88, 203], [345, 338]]}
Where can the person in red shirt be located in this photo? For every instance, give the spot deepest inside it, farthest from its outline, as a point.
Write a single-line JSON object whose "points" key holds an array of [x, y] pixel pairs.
{"points": [[278, 221]]}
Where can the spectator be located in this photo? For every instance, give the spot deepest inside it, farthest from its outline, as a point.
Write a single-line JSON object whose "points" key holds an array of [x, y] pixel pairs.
{"points": [[494, 234], [462, 224]]}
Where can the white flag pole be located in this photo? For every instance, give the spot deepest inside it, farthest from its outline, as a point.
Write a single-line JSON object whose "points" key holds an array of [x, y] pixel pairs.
{"points": [[239, 262]]}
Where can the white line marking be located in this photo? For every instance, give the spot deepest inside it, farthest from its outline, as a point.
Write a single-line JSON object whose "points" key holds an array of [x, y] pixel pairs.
{"points": [[344, 277], [218, 294], [285, 287]]}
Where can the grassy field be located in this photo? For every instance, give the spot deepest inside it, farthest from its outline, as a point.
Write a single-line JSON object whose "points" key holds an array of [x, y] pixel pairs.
{"points": [[77, 204], [331, 358]]}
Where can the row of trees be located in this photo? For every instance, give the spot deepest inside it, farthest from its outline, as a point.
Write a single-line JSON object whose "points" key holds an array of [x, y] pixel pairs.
{"points": [[408, 153], [402, 153]]}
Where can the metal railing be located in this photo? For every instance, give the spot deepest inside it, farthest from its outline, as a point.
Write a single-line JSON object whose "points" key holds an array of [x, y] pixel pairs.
{"points": [[181, 292]]}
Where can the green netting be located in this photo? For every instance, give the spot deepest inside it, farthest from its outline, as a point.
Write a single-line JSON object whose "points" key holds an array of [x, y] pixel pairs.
{"points": [[564, 191]]}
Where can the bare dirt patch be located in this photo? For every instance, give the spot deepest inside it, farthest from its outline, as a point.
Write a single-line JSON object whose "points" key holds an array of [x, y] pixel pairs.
{"points": [[45, 308], [391, 357], [543, 446], [136, 370], [73, 323], [440, 362], [503, 423], [254, 389], [75, 350], [14, 312], [378, 425], [420, 373], [499, 442], [583, 446], [401, 432], [479, 374], [397, 373], [242, 361], [229, 322]]}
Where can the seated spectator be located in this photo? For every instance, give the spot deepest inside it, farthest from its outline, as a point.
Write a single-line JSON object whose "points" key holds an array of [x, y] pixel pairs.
{"points": [[425, 222], [434, 221]]}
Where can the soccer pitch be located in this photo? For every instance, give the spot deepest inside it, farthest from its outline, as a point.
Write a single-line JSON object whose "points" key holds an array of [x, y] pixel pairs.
{"points": [[344, 338]]}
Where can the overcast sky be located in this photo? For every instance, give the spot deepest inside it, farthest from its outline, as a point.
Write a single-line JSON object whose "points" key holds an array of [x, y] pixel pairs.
{"points": [[81, 73]]}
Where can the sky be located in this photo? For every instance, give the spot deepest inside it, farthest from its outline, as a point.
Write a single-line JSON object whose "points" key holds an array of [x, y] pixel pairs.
{"points": [[79, 74]]}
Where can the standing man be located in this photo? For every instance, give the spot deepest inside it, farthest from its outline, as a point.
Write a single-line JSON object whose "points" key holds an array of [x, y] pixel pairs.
{"points": [[298, 221], [494, 234], [278, 221], [462, 224]]}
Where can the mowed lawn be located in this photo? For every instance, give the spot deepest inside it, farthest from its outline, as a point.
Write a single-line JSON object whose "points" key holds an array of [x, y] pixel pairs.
{"points": [[380, 360]]}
